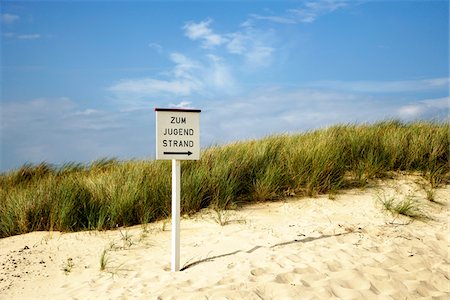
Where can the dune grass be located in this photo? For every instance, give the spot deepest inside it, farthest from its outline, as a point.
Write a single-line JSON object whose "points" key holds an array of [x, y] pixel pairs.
{"points": [[408, 207], [110, 193]]}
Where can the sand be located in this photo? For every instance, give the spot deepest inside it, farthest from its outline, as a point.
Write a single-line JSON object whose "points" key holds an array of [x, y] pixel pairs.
{"points": [[294, 248]]}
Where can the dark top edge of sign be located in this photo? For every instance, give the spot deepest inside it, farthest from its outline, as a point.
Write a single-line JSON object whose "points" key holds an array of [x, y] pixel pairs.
{"points": [[178, 109]]}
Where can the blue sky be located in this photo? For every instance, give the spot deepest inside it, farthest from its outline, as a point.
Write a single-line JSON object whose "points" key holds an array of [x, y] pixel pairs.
{"points": [[80, 79]]}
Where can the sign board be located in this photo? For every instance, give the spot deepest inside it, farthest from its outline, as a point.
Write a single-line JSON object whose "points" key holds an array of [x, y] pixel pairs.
{"points": [[177, 133]]}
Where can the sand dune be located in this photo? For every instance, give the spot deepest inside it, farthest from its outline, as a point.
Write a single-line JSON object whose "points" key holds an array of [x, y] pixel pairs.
{"points": [[309, 248]]}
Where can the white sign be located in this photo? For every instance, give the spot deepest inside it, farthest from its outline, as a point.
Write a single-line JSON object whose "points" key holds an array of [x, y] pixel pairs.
{"points": [[177, 134], [177, 138]]}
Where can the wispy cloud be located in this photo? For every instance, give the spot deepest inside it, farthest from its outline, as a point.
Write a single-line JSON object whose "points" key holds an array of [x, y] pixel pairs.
{"points": [[385, 86], [28, 36], [150, 86], [33, 36], [183, 81], [182, 104], [43, 113], [252, 44], [259, 56], [220, 76], [288, 19], [312, 10], [279, 110], [9, 18], [309, 12], [8, 34], [184, 66], [58, 130], [187, 77], [428, 108], [157, 47], [202, 31], [207, 76]]}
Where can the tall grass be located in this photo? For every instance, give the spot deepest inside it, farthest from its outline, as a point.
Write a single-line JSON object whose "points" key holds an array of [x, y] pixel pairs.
{"points": [[109, 192]]}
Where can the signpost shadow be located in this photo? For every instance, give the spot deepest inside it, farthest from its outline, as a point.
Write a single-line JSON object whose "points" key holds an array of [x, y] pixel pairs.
{"points": [[305, 240]]}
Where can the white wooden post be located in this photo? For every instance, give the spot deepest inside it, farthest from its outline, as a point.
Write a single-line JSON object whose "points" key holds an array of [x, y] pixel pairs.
{"points": [[176, 190]]}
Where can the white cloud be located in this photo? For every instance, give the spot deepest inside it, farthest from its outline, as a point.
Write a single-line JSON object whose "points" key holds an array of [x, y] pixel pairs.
{"points": [[183, 82], [44, 113], [280, 110], [33, 36], [184, 66], [237, 43], [309, 12], [201, 31], [439, 103], [312, 10], [384, 86], [9, 18], [259, 56], [35, 111], [157, 47], [182, 104], [220, 76], [150, 86], [87, 112], [188, 77], [8, 34], [251, 44], [410, 111], [276, 19], [437, 82], [428, 108], [258, 50], [56, 130]]}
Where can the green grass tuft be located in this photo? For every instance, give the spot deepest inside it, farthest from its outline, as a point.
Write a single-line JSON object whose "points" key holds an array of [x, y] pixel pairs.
{"points": [[110, 193], [104, 260], [407, 207]]}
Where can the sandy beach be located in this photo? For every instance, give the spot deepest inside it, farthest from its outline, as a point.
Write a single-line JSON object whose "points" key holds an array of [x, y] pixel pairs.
{"points": [[346, 247]]}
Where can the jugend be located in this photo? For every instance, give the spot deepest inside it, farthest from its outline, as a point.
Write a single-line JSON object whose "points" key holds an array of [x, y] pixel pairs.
{"points": [[178, 131]]}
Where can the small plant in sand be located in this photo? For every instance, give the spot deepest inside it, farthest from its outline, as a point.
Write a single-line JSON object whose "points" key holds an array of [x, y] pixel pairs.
{"points": [[429, 189], [126, 238], [221, 216], [113, 245], [104, 260], [430, 192], [68, 265], [144, 227], [407, 207], [106, 264], [143, 235], [332, 194], [164, 225]]}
